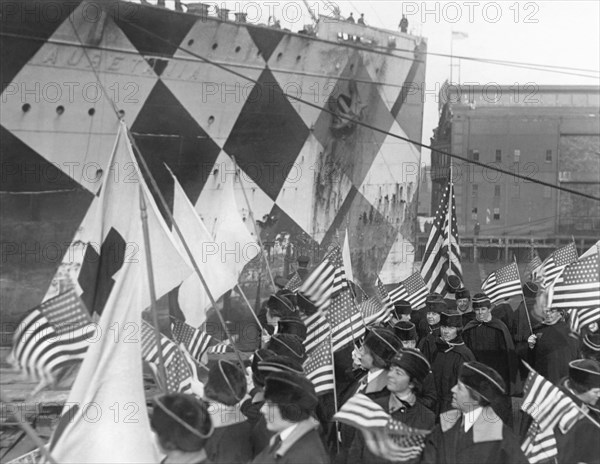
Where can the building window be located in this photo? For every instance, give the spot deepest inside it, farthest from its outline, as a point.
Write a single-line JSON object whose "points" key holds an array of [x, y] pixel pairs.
{"points": [[517, 156], [496, 214], [547, 192], [474, 190], [498, 156], [516, 190], [474, 155], [474, 213], [548, 156], [496, 190]]}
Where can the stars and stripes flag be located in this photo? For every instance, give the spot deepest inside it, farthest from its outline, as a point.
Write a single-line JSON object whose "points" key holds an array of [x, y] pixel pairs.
{"points": [[582, 317], [556, 262], [442, 252], [178, 371], [385, 437], [578, 286], [221, 347], [534, 265], [377, 309], [318, 286], [345, 320], [413, 289], [334, 256], [319, 367], [503, 283], [52, 336], [196, 341], [317, 330], [548, 406], [294, 283]]}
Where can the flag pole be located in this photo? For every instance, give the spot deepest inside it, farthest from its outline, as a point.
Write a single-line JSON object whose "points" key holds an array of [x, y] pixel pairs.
{"points": [[335, 400], [262, 248], [169, 214], [239, 289], [153, 308], [524, 303], [581, 410]]}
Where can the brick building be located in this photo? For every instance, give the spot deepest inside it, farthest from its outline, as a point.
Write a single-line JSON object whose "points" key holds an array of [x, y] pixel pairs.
{"points": [[551, 133]]}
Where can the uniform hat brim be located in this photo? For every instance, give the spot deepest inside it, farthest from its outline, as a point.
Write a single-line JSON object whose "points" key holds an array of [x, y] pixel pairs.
{"points": [[287, 388], [585, 372], [483, 379]]}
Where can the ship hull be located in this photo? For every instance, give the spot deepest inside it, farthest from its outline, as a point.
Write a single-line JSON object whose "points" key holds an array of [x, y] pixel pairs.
{"points": [[198, 92]]}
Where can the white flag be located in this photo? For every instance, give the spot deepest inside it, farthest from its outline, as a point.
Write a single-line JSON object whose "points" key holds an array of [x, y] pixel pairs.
{"points": [[207, 252]]}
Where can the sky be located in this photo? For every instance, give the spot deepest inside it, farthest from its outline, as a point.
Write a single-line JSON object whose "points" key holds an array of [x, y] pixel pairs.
{"points": [[557, 33]]}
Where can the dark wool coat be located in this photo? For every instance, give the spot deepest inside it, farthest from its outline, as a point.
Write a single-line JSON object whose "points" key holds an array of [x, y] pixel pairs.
{"points": [[491, 343], [488, 441], [553, 351], [231, 444], [582, 442], [375, 389], [303, 446], [445, 363], [417, 416]]}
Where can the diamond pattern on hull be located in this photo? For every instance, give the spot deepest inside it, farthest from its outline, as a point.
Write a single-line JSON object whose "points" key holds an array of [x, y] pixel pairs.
{"points": [[161, 32], [354, 148], [308, 72], [220, 173], [33, 19], [371, 237], [267, 136], [283, 228], [266, 39], [62, 96], [214, 96], [408, 107], [166, 133]]}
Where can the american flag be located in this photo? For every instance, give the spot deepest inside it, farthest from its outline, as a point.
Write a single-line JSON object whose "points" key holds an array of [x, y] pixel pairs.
{"points": [[503, 283], [345, 320], [195, 341], [385, 437], [579, 285], [317, 330], [54, 335], [556, 262], [334, 256], [319, 367], [178, 371], [318, 286], [582, 317], [534, 265], [221, 347], [294, 283], [413, 289], [548, 406], [377, 309], [442, 253]]}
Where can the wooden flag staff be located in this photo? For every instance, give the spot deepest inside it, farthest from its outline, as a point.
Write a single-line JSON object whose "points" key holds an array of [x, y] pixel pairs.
{"points": [[185, 246], [153, 309]]}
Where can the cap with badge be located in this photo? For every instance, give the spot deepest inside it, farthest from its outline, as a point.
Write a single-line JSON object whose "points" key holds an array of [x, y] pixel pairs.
{"points": [[413, 362], [382, 342], [481, 300], [290, 389], [451, 318], [402, 307], [405, 331]]}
